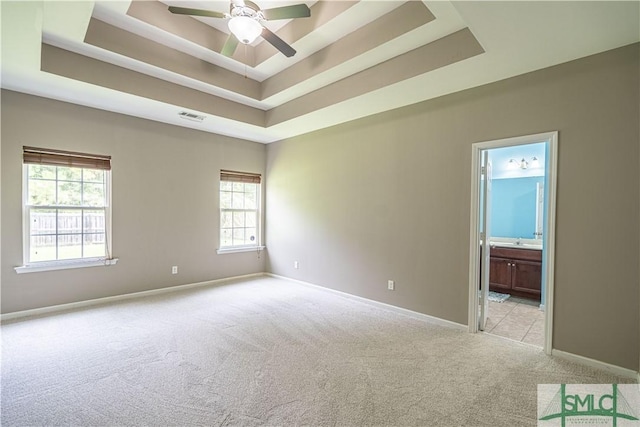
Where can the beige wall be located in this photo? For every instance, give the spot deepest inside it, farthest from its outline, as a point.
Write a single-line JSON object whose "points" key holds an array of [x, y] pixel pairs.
{"points": [[387, 197], [165, 201]]}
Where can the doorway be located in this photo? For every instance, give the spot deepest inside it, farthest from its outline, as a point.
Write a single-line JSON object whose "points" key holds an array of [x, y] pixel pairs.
{"points": [[508, 264]]}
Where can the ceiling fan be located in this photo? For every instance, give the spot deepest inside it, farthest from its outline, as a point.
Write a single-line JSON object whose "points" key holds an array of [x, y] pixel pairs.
{"points": [[245, 23]]}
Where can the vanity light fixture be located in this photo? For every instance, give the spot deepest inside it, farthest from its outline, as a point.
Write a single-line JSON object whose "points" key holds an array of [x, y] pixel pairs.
{"points": [[523, 164]]}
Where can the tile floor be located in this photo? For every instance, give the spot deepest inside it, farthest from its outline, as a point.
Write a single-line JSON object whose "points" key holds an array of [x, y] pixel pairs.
{"points": [[517, 318]]}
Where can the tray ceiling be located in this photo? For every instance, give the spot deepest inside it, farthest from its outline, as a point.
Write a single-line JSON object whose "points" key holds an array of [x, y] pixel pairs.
{"points": [[354, 58]]}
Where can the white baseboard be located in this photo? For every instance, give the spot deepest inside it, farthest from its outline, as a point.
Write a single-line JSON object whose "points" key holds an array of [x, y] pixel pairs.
{"points": [[87, 303], [400, 310], [612, 369]]}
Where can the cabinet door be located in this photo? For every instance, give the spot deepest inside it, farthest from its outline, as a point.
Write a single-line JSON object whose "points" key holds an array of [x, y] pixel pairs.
{"points": [[527, 277], [500, 274]]}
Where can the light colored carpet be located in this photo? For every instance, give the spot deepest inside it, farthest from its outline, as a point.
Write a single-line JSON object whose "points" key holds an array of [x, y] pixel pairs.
{"points": [[266, 352]]}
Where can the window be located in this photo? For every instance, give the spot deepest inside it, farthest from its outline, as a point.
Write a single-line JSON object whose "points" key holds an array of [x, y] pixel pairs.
{"points": [[239, 210], [66, 208]]}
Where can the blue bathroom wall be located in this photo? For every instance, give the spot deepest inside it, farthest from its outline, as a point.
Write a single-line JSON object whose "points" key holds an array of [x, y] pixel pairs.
{"points": [[513, 207]]}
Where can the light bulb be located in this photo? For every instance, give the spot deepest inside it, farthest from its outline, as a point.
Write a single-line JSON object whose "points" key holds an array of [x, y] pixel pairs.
{"points": [[535, 163], [523, 164], [245, 29]]}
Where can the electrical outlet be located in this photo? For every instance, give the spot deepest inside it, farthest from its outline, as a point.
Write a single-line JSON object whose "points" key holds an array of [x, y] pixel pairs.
{"points": [[174, 269], [391, 285], [296, 265]]}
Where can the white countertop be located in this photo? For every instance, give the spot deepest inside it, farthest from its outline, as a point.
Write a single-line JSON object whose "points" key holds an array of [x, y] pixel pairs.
{"points": [[509, 242]]}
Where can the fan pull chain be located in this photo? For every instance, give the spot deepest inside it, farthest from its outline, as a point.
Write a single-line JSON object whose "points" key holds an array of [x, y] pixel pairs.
{"points": [[245, 61]]}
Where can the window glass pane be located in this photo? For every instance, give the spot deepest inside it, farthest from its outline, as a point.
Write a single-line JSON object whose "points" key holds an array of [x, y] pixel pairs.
{"points": [[69, 246], [67, 233], [238, 236], [93, 194], [69, 221], [94, 245], [69, 193], [225, 200], [250, 200], [93, 175], [42, 248], [42, 221], [69, 174], [93, 221], [250, 219], [238, 219], [42, 193], [226, 237], [226, 220], [239, 227], [42, 172], [238, 201], [250, 234]]}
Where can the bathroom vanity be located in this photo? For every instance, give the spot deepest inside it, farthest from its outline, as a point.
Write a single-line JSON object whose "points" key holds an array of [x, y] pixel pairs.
{"points": [[516, 271]]}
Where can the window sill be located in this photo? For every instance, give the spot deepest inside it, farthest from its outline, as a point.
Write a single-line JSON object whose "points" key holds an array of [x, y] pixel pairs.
{"points": [[240, 249], [65, 265]]}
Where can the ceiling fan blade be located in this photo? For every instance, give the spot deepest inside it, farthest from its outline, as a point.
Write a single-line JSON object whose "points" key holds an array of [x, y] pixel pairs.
{"points": [[278, 43], [287, 12], [230, 46], [195, 12]]}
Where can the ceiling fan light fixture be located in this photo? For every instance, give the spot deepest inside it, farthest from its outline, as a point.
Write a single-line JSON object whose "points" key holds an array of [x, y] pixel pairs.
{"points": [[245, 29]]}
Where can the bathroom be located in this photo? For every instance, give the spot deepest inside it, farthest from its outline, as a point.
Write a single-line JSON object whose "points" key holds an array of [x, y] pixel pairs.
{"points": [[516, 222]]}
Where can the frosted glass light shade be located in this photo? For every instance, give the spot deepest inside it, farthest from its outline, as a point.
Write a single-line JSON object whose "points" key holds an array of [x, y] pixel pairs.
{"points": [[245, 29]]}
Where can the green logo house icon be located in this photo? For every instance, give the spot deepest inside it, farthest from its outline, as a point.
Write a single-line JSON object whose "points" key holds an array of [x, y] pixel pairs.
{"points": [[588, 403]]}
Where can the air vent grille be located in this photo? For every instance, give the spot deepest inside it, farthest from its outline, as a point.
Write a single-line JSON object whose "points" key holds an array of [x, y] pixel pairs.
{"points": [[191, 116]]}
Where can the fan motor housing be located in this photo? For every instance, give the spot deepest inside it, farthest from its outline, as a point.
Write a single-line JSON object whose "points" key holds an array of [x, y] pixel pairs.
{"points": [[250, 10]]}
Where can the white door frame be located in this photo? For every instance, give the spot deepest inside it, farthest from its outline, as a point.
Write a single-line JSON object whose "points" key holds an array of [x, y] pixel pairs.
{"points": [[551, 171], [485, 226]]}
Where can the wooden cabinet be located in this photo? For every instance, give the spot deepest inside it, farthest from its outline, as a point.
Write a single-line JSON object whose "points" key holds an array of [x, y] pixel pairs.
{"points": [[516, 271], [500, 274]]}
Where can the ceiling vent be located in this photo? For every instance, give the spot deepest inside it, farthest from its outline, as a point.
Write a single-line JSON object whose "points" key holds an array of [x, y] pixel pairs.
{"points": [[191, 116]]}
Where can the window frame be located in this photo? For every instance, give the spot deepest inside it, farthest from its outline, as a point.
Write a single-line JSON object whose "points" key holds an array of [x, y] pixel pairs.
{"points": [[63, 264], [245, 178]]}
